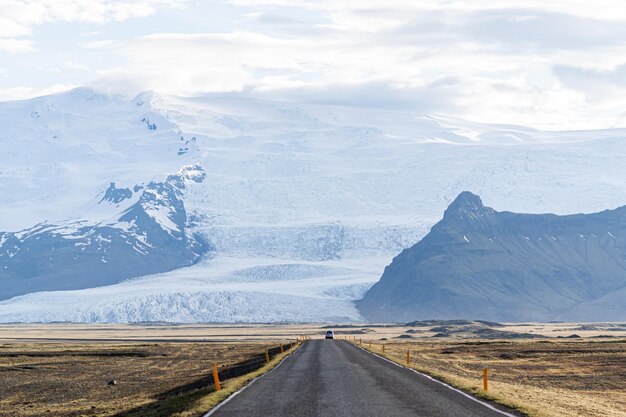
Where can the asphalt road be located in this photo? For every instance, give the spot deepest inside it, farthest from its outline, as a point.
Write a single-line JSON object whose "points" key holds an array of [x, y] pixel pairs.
{"points": [[335, 378]]}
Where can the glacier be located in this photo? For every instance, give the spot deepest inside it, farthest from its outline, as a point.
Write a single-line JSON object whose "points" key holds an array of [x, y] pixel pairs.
{"points": [[291, 210]]}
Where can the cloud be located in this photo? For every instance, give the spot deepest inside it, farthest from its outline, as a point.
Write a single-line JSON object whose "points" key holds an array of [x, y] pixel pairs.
{"points": [[586, 79], [19, 17], [23, 92], [435, 97], [16, 45], [556, 64]]}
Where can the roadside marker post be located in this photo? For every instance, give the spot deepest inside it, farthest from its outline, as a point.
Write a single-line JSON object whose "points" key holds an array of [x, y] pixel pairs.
{"points": [[369, 345], [383, 348], [281, 348], [216, 378], [408, 357], [267, 356], [485, 380]]}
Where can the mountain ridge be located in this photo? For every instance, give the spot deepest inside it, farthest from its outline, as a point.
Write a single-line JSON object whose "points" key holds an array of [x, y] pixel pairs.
{"points": [[149, 236], [288, 188], [503, 266]]}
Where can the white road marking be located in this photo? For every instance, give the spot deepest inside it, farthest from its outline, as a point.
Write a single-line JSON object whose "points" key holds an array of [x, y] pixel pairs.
{"points": [[489, 406], [234, 394]]}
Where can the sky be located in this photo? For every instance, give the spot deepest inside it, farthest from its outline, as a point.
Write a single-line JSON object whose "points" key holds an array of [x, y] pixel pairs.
{"points": [[557, 65]]}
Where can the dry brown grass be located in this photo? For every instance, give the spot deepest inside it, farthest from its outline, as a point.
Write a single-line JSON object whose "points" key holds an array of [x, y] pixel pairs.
{"points": [[71, 379], [543, 378], [546, 378]]}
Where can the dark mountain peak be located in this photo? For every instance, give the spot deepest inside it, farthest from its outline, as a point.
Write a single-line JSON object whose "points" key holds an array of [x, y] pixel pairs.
{"points": [[507, 266], [467, 206]]}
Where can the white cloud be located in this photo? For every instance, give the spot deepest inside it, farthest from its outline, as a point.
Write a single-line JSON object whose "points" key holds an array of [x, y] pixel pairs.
{"points": [[16, 45], [554, 64], [23, 92], [19, 17]]}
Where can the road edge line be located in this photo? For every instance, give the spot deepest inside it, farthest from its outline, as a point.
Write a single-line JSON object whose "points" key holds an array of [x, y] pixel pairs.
{"points": [[240, 390], [465, 394]]}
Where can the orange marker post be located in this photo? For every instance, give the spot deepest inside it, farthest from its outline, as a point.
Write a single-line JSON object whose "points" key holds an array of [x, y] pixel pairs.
{"points": [[216, 378], [267, 356], [408, 357], [485, 380]]}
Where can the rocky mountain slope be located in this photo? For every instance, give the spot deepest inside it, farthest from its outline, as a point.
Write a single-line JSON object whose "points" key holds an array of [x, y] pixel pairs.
{"points": [[147, 237], [481, 263]]}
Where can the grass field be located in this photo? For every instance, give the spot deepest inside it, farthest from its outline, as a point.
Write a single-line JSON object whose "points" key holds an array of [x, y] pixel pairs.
{"points": [[543, 378], [72, 379], [545, 370]]}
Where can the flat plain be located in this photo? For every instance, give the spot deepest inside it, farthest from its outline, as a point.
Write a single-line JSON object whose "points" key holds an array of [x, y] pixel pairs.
{"points": [[73, 379], [545, 370]]}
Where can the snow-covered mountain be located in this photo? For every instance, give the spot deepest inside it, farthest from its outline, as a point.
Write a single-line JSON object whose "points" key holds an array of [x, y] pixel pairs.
{"points": [[249, 209], [147, 237]]}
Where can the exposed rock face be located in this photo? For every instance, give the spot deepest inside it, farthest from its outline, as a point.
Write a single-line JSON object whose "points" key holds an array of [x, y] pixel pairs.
{"points": [[148, 237], [480, 263], [116, 195]]}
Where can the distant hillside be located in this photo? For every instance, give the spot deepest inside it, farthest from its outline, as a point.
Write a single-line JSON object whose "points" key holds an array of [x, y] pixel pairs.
{"points": [[480, 263]]}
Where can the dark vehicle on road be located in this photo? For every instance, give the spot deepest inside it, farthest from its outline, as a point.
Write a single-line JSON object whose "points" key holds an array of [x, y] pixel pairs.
{"points": [[330, 334]]}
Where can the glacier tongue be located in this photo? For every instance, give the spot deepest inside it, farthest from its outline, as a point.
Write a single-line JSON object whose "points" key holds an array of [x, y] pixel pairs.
{"points": [[217, 290]]}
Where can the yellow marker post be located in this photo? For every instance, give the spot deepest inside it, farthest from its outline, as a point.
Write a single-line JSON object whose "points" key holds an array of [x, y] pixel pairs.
{"points": [[267, 356], [485, 380], [216, 378], [408, 357]]}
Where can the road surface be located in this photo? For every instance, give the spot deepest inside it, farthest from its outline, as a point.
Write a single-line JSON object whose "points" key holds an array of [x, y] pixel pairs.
{"points": [[335, 378]]}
